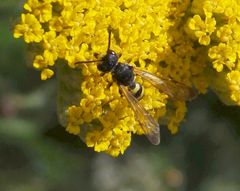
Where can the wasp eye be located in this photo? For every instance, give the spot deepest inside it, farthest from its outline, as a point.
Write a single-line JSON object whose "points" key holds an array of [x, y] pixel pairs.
{"points": [[109, 61], [112, 56]]}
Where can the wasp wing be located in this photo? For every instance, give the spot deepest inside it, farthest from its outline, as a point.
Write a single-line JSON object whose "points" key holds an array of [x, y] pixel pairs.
{"points": [[148, 124], [175, 90]]}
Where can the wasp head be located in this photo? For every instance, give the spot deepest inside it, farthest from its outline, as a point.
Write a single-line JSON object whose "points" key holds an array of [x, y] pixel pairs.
{"points": [[109, 61]]}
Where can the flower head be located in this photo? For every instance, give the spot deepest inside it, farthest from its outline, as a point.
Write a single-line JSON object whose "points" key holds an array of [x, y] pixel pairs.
{"points": [[190, 42]]}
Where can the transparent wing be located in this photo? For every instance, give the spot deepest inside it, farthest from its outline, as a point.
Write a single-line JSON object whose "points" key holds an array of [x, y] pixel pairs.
{"points": [[175, 90], [148, 124]]}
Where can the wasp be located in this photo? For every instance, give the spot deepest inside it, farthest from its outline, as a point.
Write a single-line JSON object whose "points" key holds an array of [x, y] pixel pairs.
{"points": [[124, 75]]}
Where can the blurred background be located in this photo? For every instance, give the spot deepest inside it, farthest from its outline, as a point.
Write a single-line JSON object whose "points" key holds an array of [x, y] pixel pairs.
{"points": [[37, 154]]}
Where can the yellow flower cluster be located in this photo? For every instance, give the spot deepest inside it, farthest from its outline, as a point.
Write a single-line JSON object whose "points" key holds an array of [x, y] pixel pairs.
{"points": [[216, 25], [169, 38]]}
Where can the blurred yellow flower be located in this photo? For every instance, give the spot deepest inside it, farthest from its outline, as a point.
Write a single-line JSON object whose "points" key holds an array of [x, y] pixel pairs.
{"points": [[30, 28], [46, 73], [41, 9]]}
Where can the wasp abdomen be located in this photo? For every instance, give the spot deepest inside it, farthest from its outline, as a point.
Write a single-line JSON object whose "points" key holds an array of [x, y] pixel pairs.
{"points": [[123, 74], [137, 90]]}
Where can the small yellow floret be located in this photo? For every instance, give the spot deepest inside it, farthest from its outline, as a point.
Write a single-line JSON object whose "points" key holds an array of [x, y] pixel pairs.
{"points": [[234, 80], [30, 28], [46, 73]]}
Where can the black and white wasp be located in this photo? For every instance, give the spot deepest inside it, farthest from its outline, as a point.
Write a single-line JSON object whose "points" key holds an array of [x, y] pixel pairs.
{"points": [[124, 75]]}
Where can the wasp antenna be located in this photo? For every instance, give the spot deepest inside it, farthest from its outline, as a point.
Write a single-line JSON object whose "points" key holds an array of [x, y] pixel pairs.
{"points": [[88, 61], [109, 38]]}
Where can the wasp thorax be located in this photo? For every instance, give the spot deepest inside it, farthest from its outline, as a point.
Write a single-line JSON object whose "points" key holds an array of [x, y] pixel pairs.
{"points": [[109, 61], [123, 73]]}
